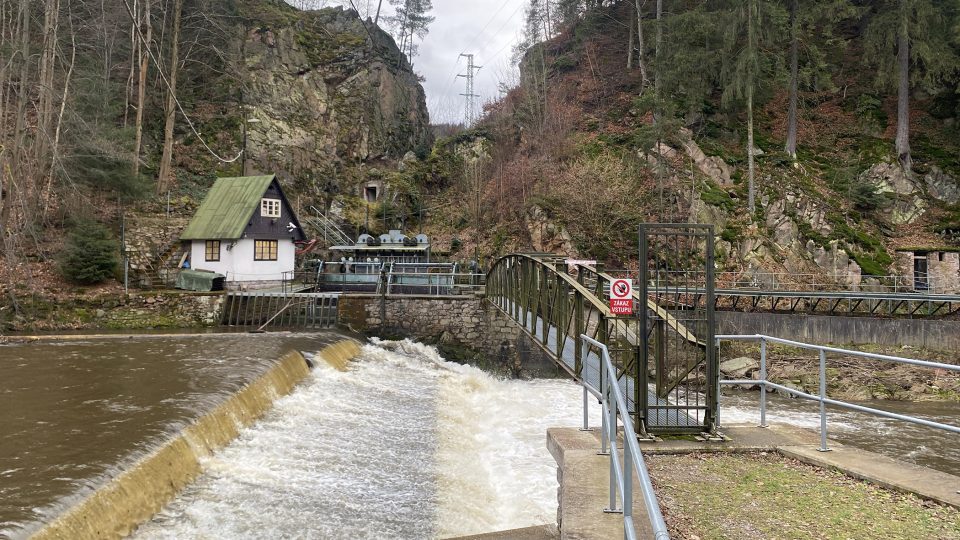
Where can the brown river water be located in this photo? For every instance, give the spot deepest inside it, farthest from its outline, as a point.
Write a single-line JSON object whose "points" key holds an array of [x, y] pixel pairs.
{"points": [[73, 413]]}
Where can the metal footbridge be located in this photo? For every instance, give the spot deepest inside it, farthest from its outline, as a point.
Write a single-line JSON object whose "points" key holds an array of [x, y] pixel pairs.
{"points": [[660, 353]]}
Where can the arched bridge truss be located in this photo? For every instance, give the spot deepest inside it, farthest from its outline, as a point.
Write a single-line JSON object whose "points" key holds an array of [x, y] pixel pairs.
{"points": [[555, 304]]}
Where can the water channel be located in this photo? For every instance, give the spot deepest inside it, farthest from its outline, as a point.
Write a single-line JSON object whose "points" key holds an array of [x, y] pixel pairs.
{"points": [[402, 445]]}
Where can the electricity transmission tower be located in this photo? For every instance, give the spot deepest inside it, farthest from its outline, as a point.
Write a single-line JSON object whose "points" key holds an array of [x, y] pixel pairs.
{"points": [[471, 97]]}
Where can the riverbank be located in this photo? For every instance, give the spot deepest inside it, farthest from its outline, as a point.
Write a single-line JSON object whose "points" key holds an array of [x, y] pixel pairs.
{"points": [[108, 309], [849, 378]]}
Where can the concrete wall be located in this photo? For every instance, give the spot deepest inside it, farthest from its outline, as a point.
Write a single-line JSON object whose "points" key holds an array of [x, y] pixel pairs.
{"points": [[822, 329], [459, 321]]}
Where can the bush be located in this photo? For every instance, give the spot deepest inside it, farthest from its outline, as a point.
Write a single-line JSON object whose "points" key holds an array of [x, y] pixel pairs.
{"points": [[90, 255]]}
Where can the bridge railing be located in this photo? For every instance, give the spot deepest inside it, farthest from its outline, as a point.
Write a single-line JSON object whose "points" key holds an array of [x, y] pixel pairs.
{"points": [[614, 407], [822, 398]]}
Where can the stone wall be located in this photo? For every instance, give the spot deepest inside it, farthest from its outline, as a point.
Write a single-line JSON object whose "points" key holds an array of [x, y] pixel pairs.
{"points": [[453, 321], [166, 309], [148, 238], [944, 270]]}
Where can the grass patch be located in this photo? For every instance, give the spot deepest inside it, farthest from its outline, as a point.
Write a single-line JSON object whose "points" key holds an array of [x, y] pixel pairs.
{"points": [[713, 195], [747, 496]]}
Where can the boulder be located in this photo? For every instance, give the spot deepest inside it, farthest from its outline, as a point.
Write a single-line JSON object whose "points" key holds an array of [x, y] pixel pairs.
{"points": [[889, 178], [739, 368], [942, 186]]}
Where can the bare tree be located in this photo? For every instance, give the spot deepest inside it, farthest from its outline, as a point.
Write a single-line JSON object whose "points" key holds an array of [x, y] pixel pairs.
{"points": [[170, 110]]}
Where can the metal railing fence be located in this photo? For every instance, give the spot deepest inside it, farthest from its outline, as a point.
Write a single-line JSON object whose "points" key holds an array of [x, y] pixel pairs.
{"points": [[614, 408], [822, 397]]}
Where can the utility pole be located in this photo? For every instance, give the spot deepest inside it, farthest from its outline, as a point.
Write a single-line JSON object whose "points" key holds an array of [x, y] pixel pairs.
{"points": [[471, 97]]}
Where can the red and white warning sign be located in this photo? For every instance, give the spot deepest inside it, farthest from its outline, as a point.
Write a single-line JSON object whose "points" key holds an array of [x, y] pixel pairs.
{"points": [[621, 297]]}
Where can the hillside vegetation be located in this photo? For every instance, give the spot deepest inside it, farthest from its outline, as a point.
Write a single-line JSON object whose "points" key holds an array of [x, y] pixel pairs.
{"points": [[585, 148]]}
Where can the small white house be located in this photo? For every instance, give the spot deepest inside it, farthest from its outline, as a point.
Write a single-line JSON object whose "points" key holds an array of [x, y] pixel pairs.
{"points": [[245, 229]]}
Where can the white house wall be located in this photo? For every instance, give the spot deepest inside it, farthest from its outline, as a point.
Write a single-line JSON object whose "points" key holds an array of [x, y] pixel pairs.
{"points": [[237, 264]]}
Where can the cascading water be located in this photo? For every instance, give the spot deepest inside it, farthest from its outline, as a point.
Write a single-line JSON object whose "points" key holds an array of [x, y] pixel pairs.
{"points": [[402, 445]]}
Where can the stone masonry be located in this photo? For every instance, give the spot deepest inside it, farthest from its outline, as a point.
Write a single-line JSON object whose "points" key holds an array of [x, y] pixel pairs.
{"points": [[468, 322]]}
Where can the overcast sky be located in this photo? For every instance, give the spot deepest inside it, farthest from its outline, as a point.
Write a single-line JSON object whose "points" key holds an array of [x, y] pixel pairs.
{"points": [[486, 28]]}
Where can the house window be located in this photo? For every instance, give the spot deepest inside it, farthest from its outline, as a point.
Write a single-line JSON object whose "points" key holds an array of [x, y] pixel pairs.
{"points": [[212, 251], [265, 250], [270, 208]]}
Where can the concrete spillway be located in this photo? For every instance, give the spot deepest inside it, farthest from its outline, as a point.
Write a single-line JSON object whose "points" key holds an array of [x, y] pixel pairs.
{"points": [[401, 445]]}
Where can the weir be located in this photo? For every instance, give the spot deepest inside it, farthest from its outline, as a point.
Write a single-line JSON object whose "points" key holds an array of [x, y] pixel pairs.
{"points": [[146, 485]]}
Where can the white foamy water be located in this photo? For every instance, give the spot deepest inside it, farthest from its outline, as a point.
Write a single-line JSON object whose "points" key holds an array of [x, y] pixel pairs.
{"points": [[403, 445]]}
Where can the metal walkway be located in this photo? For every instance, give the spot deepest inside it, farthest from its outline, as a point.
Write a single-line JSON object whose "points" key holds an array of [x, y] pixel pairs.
{"points": [[892, 304], [554, 307]]}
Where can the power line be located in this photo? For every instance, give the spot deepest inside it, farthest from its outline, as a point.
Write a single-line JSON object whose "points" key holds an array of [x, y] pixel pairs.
{"points": [[490, 20], [469, 95], [163, 77]]}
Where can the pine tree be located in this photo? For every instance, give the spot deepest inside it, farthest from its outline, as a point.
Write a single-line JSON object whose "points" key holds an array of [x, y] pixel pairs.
{"points": [[90, 254], [410, 21], [908, 41], [752, 32], [811, 24]]}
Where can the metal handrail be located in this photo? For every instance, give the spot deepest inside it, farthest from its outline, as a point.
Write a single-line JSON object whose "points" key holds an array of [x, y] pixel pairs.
{"points": [[614, 407], [822, 397]]}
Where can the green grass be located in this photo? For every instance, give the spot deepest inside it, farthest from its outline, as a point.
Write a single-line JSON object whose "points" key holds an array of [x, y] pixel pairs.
{"points": [[714, 496]]}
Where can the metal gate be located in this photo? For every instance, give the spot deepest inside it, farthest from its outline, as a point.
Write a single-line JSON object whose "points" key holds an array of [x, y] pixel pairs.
{"points": [[677, 327]]}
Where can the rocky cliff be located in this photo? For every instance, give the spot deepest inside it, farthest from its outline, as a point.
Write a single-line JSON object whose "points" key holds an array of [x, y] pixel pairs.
{"points": [[326, 92]]}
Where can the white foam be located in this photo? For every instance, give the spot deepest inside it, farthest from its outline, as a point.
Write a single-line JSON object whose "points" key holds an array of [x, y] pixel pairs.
{"points": [[403, 445]]}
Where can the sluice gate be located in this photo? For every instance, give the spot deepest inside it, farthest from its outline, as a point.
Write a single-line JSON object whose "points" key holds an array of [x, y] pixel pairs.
{"points": [[259, 310]]}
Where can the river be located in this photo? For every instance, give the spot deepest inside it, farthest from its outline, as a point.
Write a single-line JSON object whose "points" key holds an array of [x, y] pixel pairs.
{"points": [[75, 412], [402, 445]]}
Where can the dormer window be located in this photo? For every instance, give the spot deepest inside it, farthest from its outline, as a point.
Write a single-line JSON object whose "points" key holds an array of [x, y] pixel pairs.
{"points": [[269, 208]]}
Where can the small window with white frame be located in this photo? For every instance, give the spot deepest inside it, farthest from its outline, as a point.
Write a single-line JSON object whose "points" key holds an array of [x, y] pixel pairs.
{"points": [[270, 208]]}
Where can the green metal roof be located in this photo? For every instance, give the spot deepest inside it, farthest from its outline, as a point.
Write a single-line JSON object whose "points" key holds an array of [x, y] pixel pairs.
{"points": [[226, 210]]}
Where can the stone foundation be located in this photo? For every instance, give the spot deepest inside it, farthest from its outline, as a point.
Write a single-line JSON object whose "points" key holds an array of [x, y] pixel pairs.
{"points": [[469, 323]]}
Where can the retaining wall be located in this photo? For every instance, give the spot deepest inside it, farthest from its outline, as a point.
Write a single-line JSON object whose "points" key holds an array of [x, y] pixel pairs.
{"points": [[821, 329], [467, 322]]}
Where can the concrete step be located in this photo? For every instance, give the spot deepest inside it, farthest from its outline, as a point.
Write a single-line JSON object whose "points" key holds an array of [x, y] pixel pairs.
{"points": [[538, 532]]}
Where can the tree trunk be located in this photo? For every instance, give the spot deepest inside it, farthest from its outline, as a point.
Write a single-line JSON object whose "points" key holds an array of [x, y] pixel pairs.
{"points": [[791, 145], [640, 58], [903, 94], [51, 14], [630, 39], [377, 18], [166, 160], [142, 88], [656, 51], [55, 147], [751, 191], [134, 61]]}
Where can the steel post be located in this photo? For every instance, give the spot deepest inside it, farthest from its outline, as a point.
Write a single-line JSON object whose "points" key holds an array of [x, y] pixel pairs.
{"points": [[823, 404], [763, 386]]}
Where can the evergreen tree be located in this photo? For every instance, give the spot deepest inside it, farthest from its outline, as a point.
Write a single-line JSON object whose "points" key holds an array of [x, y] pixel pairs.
{"points": [[908, 41], [812, 25], [750, 61], [410, 21], [90, 254]]}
